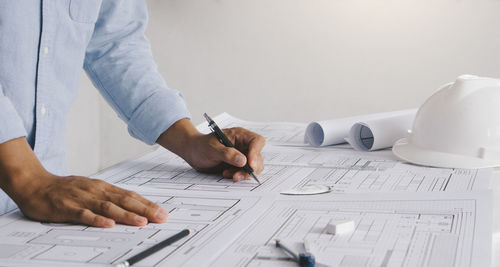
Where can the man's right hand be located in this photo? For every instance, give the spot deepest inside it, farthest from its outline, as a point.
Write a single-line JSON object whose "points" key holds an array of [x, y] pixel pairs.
{"points": [[43, 196]]}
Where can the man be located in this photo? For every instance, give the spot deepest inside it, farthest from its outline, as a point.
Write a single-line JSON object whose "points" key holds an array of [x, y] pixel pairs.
{"points": [[43, 46]]}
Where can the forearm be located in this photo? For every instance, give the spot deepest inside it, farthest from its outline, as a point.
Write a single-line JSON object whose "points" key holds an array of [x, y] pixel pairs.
{"points": [[43, 196], [18, 166]]}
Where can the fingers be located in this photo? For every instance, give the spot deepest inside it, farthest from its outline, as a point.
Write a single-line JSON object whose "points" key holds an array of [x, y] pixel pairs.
{"points": [[135, 203], [122, 206], [231, 156], [256, 162], [240, 175], [86, 216], [235, 174], [252, 144], [90, 201], [247, 142], [118, 214], [255, 159], [209, 155]]}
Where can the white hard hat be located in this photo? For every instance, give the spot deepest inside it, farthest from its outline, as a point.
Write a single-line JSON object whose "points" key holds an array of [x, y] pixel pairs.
{"points": [[457, 127]]}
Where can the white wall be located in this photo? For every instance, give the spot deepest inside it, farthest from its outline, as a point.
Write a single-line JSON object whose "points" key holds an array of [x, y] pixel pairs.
{"points": [[96, 138], [302, 60], [83, 132], [299, 60]]}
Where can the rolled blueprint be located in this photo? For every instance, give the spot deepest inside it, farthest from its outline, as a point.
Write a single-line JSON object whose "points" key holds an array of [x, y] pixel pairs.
{"points": [[333, 132], [380, 133]]}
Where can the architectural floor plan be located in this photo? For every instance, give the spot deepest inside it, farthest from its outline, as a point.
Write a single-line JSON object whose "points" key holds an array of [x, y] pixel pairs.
{"points": [[404, 215], [275, 133], [350, 171], [430, 231], [342, 169], [213, 220]]}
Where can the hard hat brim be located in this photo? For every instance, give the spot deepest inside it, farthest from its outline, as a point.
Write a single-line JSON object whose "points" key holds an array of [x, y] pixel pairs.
{"points": [[416, 155]]}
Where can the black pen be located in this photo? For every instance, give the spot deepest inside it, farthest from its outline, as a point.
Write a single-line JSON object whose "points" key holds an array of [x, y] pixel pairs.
{"points": [[225, 141], [154, 248]]}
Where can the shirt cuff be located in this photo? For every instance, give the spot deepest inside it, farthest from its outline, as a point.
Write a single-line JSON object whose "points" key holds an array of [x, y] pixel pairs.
{"points": [[11, 124], [156, 114]]}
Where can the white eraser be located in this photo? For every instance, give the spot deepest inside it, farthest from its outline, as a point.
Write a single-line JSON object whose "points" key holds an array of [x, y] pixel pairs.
{"points": [[335, 227]]}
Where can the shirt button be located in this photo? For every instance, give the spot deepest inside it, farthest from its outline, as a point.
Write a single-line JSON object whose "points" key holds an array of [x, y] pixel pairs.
{"points": [[46, 50], [43, 110]]}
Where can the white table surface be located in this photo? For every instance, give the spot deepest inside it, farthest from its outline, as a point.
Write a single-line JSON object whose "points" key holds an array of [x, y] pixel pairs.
{"points": [[495, 252]]}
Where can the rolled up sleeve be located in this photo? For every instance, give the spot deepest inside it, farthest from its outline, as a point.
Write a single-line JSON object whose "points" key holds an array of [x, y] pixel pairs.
{"points": [[10, 121], [120, 64]]}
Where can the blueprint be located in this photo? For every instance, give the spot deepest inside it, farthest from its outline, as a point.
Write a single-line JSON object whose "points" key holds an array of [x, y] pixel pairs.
{"points": [[290, 165], [404, 215], [283, 133], [162, 169], [350, 171], [343, 169], [234, 230], [399, 230], [214, 220], [363, 132]]}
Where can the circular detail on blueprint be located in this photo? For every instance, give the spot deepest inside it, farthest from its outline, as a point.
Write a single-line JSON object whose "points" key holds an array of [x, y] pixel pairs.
{"points": [[313, 189]]}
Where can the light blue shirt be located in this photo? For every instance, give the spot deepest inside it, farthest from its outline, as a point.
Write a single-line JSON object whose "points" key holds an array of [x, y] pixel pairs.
{"points": [[43, 47]]}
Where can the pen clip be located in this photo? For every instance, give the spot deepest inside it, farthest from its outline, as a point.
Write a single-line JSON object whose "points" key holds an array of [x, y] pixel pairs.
{"points": [[211, 128]]}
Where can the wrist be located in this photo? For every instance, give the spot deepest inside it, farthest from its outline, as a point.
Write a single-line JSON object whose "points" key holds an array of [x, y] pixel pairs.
{"points": [[20, 169], [179, 138]]}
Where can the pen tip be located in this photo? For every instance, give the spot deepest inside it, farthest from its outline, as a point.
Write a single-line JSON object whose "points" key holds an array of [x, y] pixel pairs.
{"points": [[255, 177]]}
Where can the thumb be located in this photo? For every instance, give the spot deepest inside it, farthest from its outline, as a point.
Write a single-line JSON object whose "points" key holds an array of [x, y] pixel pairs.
{"points": [[231, 156]]}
